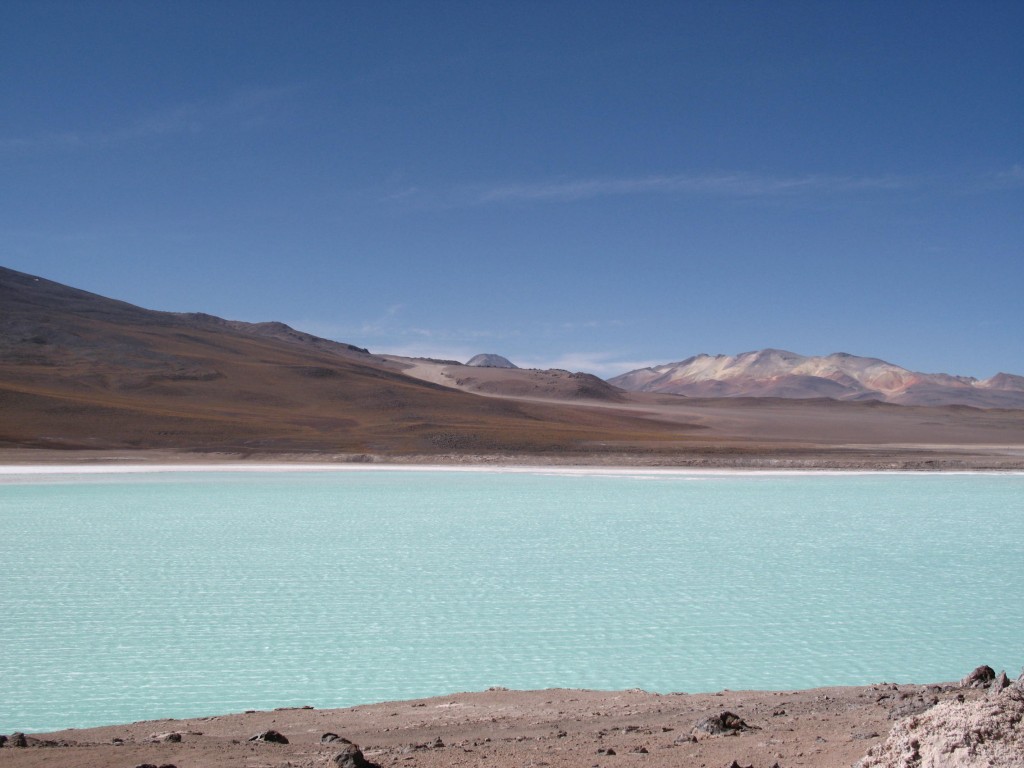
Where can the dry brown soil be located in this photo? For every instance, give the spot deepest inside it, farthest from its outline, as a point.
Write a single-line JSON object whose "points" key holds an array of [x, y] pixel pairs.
{"points": [[822, 728]]}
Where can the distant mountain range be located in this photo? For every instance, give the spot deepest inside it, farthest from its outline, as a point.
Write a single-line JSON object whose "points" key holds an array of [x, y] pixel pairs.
{"points": [[839, 376], [84, 372]]}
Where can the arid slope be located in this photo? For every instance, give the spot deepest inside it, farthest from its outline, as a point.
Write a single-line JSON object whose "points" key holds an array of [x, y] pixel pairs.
{"points": [[79, 371]]}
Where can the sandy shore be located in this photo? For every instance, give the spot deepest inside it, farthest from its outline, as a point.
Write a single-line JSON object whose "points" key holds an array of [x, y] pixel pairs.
{"points": [[822, 728]]}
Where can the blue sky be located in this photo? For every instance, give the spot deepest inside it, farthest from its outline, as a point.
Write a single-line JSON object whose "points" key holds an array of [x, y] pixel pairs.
{"points": [[593, 185]]}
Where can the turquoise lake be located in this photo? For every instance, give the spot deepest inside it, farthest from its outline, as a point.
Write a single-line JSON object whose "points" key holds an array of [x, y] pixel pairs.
{"points": [[136, 596]]}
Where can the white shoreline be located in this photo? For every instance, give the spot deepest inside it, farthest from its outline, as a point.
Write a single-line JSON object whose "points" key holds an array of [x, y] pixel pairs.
{"points": [[36, 470]]}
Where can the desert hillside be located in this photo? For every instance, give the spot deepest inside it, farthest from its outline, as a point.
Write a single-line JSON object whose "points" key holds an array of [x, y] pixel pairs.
{"points": [[81, 372]]}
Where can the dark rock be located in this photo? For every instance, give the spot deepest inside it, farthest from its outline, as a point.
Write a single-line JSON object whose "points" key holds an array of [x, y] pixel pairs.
{"points": [[271, 736], [915, 707], [981, 677], [726, 722], [640, 750], [437, 743], [1001, 682], [735, 764], [146, 765], [333, 738], [18, 739], [167, 765], [3, 740], [351, 756]]}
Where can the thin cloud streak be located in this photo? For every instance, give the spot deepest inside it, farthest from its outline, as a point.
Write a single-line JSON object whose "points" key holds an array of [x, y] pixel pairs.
{"points": [[247, 107], [719, 185]]}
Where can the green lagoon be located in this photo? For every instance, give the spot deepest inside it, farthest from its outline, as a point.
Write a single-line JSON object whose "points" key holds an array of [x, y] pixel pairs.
{"points": [[129, 596]]}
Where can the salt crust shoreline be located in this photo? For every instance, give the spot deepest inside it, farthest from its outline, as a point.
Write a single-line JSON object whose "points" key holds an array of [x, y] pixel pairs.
{"points": [[13, 470]]}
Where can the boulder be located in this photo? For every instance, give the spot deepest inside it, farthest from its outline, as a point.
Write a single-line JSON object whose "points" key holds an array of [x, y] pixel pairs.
{"points": [[1001, 682], [351, 756], [332, 738], [725, 722], [271, 736], [981, 677]]}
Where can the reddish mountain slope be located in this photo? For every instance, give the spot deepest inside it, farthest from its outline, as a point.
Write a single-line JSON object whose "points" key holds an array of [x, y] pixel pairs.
{"points": [[778, 373]]}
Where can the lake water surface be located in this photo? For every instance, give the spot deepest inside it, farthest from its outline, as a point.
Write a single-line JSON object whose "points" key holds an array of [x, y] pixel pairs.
{"points": [[171, 594]]}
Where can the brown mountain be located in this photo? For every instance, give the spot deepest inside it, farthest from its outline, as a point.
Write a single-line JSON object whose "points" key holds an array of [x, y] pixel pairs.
{"points": [[79, 370]]}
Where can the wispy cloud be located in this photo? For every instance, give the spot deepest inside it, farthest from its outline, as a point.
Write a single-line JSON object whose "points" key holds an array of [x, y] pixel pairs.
{"points": [[1009, 178], [602, 364], [245, 108], [49, 140], [389, 334], [716, 184], [392, 333]]}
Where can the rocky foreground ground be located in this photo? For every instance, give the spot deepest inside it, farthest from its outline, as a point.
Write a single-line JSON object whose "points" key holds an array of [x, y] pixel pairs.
{"points": [[977, 722]]}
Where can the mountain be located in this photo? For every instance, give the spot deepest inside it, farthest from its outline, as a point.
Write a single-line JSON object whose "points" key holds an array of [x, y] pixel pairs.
{"points": [[79, 370], [110, 380], [840, 376], [491, 361]]}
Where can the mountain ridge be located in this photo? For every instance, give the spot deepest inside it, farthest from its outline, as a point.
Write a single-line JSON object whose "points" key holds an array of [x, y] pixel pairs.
{"points": [[80, 370], [81, 375], [840, 375]]}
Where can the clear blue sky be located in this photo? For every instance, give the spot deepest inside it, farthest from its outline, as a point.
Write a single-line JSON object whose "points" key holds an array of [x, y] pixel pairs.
{"points": [[589, 185]]}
